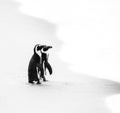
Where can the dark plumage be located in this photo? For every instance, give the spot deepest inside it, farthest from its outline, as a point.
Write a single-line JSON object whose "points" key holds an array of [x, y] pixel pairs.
{"points": [[46, 63], [45, 48], [33, 64], [35, 68]]}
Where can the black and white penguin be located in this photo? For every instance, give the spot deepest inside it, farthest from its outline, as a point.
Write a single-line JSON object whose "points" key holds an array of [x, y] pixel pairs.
{"points": [[45, 56], [44, 64], [34, 64]]}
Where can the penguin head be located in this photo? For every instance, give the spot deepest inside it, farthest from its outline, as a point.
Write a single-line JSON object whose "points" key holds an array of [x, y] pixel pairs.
{"points": [[46, 48], [41, 48], [38, 47]]}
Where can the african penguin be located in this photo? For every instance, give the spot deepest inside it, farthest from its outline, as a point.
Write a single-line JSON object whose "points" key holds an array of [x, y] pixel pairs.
{"points": [[33, 64]]}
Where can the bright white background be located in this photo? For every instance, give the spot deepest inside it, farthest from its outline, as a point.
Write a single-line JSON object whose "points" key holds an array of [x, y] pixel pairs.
{"points": [[90, 31], [85, 55]]}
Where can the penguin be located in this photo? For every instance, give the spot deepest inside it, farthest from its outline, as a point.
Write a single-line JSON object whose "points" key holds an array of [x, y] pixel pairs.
{"points": [[34, 64], [45, 62]]}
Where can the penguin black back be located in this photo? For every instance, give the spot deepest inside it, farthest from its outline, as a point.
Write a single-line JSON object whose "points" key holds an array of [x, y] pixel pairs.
{"points": [[32, 71]]}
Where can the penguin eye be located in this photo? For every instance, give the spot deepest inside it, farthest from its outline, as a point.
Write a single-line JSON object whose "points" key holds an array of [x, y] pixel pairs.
{"points": [[44, 49]]}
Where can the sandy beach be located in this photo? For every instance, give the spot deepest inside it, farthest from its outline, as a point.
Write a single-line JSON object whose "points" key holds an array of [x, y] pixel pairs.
{"points": [[85, 56]]}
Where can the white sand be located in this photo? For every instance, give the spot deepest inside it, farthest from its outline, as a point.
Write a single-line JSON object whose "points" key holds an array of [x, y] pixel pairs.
{"points": [[67, 91]]}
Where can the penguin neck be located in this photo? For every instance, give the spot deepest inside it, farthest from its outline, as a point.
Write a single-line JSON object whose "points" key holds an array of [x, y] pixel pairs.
{"points": [[45, 52], [38, 53]]}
